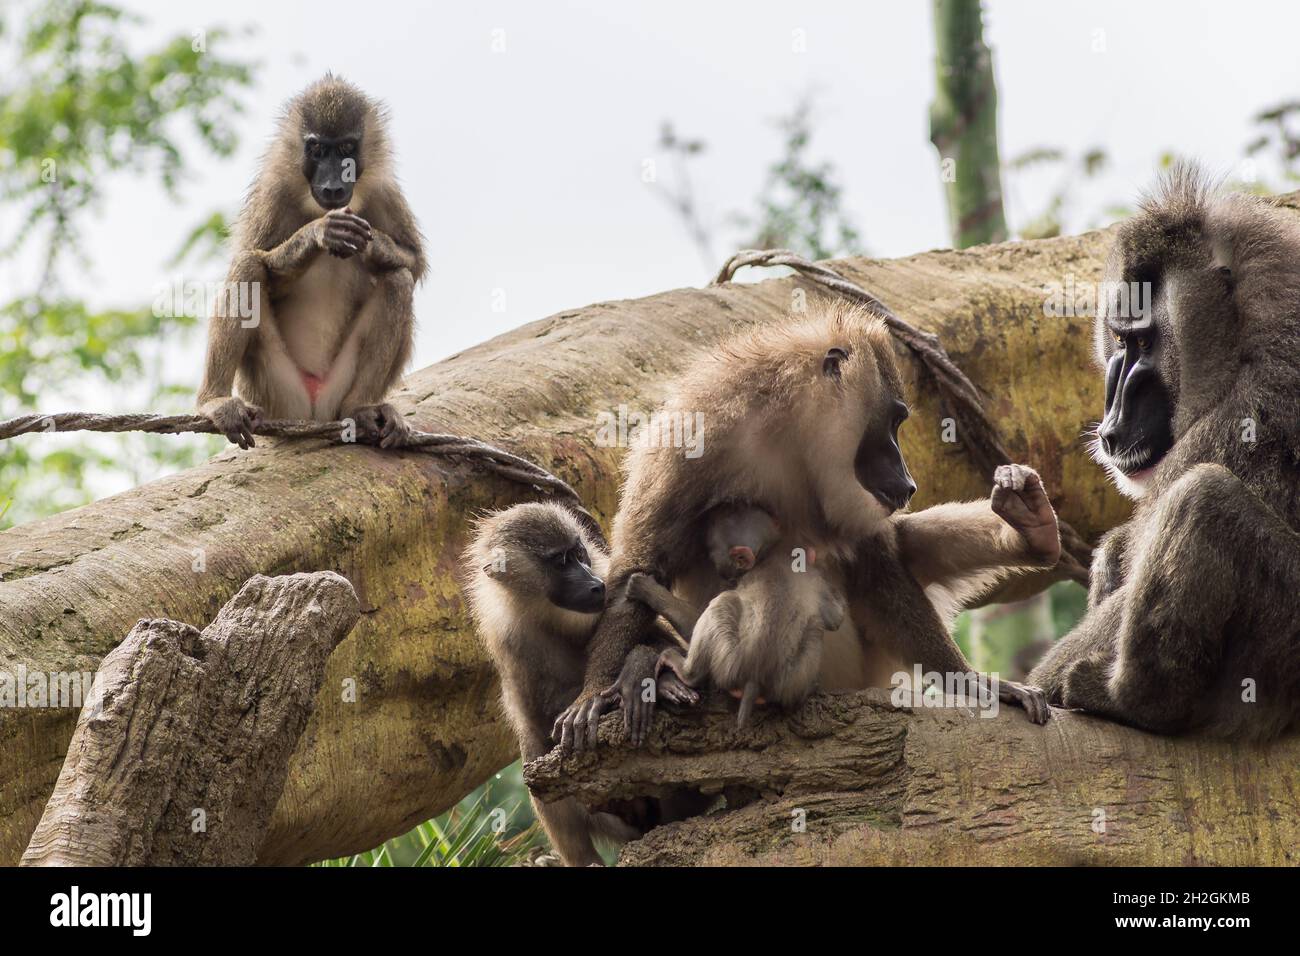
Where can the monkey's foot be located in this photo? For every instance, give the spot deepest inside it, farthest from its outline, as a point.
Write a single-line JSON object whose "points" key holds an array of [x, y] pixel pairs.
{"points": [[381, 425], [1032, 699], [236, 420], [1020, 500]]}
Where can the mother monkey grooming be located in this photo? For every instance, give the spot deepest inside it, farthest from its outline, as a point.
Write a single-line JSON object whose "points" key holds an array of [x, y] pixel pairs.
{"points": [[801, 419]]}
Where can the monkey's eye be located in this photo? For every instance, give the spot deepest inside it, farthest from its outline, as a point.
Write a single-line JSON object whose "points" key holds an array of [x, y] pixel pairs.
{"points": [[1119, 340], [314, 149], [581, 556], [1144, 343], [347, 147]]}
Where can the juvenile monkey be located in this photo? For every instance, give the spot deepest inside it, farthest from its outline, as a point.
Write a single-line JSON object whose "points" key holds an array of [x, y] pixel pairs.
{"points": [[535, 591], [330, 253], [802, 421], [765, 635]]}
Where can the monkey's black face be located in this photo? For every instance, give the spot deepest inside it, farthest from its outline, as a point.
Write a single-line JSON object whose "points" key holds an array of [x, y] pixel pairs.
{"points": [[1137, 430], [570, 583], [332, 167], [879, 464]]}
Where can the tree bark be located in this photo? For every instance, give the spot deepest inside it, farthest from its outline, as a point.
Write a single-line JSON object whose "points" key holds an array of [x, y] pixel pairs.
{"points": [[427, 723], [849, 779], [180, 755]]}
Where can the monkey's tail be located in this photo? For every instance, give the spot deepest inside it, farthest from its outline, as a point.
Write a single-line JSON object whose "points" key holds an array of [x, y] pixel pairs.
{"points": [[747, 703]]}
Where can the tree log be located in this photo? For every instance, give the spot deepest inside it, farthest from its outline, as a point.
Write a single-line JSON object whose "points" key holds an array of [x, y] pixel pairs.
{"points": [[427, 726], [181, 755], [850, 779]]}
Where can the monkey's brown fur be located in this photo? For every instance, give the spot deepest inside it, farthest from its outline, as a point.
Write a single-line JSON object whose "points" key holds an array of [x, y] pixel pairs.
{"points": [[1194, 600], [539, 649], [334, 289], [782, 435]]}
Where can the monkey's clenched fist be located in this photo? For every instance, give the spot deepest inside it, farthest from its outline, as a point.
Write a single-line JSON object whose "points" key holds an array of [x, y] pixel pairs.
{"points": [[381, 425], [234, 418], [343, 233], [1020, 501]]}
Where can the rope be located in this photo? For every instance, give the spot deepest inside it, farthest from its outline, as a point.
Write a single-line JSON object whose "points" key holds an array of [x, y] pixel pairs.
{"points": [[978, 434], [494, 459]]}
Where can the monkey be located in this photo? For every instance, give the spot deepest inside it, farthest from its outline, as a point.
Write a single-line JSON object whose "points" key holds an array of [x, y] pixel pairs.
{"points": [[803, 421], [535, 590], [1192, 617], [330, 253], [765, 634]]}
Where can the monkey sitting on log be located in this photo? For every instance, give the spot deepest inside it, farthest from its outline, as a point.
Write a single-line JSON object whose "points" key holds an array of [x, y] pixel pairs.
{"points": [[1193, 613], [765, 635], [802, 421], [535, 590], [328, 253]]}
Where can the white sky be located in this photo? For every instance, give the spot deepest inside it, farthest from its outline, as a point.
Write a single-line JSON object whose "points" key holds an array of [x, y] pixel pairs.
{"points": [[524, 167]]}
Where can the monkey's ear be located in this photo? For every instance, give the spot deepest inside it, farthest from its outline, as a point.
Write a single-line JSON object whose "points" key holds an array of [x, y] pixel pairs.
{"points": [[831, 363]]}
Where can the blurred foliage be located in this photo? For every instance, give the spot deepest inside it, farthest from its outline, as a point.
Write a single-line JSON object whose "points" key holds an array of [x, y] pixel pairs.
{"points": [[1087, 165], [78, 109], [799, 207], [493, 826]]}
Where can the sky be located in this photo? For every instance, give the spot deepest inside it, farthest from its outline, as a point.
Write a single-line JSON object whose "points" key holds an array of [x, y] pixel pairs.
{"points": [[522, 130]]}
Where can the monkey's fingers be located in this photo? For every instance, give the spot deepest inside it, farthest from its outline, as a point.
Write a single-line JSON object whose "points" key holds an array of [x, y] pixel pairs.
{"points": [[562, 732], [1032, 699], [591, 719]]}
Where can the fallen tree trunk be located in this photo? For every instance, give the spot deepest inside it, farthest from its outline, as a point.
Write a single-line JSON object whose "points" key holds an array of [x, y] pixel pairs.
{"points": [[181, 754], [426, 727], [849, 779]]}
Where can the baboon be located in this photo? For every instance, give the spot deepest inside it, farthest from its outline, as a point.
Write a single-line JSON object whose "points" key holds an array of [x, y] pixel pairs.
{"points": [[1192, 617], [535, 590], [763, 636], [802, 421], [331, 253]]}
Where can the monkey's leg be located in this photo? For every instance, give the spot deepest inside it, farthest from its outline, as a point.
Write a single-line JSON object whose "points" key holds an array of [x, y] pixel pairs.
{"points": [[566, 822], [683, 617], [910, 627], [1219, 563], [377, 350]]}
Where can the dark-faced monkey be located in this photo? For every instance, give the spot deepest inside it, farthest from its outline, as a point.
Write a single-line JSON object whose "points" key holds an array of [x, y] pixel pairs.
{"points": [[328, 253], [801, 420], [535, 589], [762, 638], [1193, 621]]}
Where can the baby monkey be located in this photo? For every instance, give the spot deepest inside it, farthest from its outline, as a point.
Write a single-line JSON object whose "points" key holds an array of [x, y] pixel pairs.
{"points": [[764, 634]]}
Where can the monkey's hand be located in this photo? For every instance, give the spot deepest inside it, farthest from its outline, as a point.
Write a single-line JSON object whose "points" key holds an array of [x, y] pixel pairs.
{"points": [[234, 418], [670, 679], [575, 728], [1032, 699], [1020, 500], [343, 233], [380, 425], [636, 689]]}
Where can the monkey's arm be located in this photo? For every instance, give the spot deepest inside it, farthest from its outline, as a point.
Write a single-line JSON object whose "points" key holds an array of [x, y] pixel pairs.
{"points": [[384, 254], [950, 543], [644, 588], [622, 627]]}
